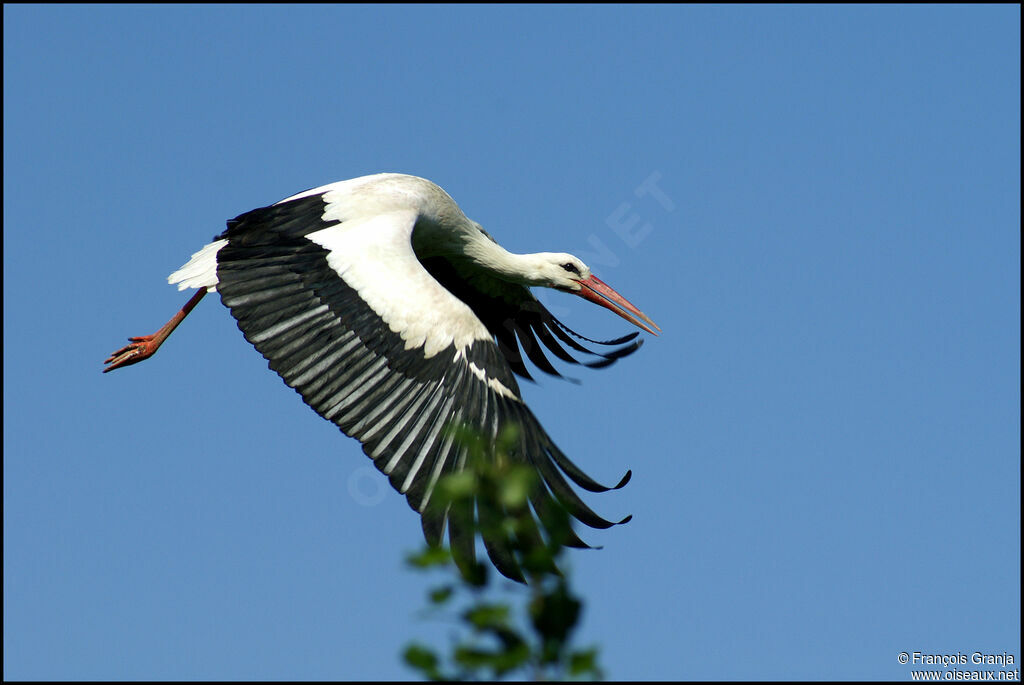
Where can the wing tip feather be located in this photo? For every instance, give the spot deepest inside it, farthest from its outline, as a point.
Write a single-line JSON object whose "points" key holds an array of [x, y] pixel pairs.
{"points": [[625, 479]]}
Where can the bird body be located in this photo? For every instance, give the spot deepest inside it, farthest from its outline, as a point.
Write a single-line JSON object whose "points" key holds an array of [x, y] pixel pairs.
{"points": [[394, 316]]}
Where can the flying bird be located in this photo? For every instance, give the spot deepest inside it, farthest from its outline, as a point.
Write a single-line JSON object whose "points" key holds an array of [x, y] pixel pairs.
{"points": [[394, 315]]}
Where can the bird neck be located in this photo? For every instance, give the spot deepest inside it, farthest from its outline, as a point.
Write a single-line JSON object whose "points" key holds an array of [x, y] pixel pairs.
{"points": [[520, 269]]}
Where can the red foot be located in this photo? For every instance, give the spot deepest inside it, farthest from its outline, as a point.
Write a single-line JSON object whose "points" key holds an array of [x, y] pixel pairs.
{"points": [[141, 348], [145, 346]]}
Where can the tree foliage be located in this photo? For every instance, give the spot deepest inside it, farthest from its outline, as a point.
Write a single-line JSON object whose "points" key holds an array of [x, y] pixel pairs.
{"points": [[491, 640]]}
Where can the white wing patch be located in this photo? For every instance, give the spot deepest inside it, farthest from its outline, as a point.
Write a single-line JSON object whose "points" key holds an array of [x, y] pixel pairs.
{"points": [[493, 383], [374, 256]]}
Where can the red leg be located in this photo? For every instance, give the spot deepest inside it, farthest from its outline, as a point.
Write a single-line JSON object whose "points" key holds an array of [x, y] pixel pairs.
{"points": [[144, 347]]}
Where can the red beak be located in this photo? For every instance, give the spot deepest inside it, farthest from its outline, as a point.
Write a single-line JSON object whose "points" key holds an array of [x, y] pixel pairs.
{"points": [[598, 292]]}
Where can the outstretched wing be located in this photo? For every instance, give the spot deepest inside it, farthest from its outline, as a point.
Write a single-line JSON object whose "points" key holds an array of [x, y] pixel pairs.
{"points": [[348, 316]]}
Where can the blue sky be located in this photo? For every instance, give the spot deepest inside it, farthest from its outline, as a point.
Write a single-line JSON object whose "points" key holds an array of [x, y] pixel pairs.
{"points": [[825, 441]]}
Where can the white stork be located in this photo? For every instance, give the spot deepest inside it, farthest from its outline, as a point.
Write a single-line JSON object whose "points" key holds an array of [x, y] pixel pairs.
{"points": [[392, 314]]}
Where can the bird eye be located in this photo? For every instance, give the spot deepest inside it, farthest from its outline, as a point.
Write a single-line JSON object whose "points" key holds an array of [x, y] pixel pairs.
{"points": [[571, 268]]}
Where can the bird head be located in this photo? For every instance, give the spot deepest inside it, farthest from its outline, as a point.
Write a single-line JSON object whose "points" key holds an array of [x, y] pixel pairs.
{"points": [[568, 273]]}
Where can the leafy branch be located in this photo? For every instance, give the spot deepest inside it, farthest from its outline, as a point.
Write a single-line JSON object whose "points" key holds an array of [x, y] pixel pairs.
{"points": [[494, 642]]}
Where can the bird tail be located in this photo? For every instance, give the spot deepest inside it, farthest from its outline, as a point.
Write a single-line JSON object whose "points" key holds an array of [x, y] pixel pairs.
{"points": [[201, 270]]}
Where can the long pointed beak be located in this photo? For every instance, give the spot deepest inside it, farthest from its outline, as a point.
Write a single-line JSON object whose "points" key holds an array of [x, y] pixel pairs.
{"points": [[599, 292]]}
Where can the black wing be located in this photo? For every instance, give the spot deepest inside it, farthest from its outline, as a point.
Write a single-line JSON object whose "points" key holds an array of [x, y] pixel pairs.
{"points": [[335, 350]]}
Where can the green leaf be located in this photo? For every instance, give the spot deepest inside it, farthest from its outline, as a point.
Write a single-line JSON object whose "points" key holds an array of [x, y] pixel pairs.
{"points": [[584, 661], [511, 658], [487, 615], [440, 595], [422, 659], [515, 487], [508, 438], [473, 658], [429, 556], [555, 613], [458, 485]]}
